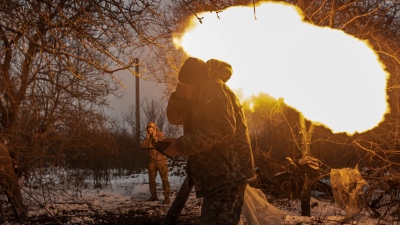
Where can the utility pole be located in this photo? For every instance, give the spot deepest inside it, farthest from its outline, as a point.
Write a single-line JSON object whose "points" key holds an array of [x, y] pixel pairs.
{"points": [[137, 104]]}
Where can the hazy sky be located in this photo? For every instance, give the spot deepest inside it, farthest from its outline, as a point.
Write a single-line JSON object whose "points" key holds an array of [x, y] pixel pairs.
{"points": [[147, 90]]}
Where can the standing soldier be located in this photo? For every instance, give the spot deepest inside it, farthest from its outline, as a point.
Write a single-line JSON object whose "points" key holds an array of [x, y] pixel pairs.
{"points": [[9, 182], [216, 139], [158, 161]]}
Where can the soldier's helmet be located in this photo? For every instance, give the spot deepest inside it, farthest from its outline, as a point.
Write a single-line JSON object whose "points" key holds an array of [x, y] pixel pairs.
{"points": [[193, 71], [151, 125], [219, 69]]}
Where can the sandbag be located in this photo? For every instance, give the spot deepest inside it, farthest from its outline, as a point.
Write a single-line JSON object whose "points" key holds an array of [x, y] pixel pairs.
{"points": [[258, 211], [347, 187]]}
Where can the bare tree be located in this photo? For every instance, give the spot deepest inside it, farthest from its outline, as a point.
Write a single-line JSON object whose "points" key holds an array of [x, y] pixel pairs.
{"points": [[60, 56]]}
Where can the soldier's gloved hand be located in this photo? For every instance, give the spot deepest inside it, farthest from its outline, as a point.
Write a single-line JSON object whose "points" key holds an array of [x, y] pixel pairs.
{"points": [[154, 136]]}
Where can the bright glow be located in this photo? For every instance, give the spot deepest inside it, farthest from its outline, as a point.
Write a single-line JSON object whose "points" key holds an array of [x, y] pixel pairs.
{"points": [[331, 77]]}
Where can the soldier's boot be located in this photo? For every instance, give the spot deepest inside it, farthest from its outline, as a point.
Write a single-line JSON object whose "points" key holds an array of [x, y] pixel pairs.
{"points": [[153, 191], [166, 199], [22, 215], [167, 191], [153, 198]]}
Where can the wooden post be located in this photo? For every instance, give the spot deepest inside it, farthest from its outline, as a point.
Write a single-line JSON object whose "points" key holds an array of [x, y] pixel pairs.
{"points": [[137, 104], [306, 136], [305, 197]]}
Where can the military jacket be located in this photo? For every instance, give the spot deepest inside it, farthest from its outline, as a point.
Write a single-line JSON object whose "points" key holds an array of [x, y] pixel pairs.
{"points": [[149, 142], [216, 137]]}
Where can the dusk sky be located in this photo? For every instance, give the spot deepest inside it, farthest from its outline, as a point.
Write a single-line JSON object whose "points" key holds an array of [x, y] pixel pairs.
{"points": [[148, 89]]}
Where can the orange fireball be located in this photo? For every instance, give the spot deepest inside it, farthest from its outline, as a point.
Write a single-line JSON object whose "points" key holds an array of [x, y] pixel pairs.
{"points": [[331, 77]]}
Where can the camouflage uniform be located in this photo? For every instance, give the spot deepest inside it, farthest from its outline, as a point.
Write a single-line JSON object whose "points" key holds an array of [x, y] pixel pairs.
{"points": [[224, 207], [9, 182], [158, 162], [216, 139]]}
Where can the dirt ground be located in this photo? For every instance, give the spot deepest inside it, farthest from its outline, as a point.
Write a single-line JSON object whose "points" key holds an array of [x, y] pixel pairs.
{"points": [[136, 217]]}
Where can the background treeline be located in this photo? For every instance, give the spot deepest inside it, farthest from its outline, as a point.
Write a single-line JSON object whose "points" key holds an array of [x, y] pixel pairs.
{"points": [[93, 145]]}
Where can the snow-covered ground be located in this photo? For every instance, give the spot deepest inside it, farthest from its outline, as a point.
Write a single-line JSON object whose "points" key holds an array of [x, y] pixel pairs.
{"points": [[59, 197]]}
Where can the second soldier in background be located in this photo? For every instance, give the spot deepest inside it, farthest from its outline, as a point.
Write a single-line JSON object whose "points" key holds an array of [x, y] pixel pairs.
{"points": [[158, 162]]}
